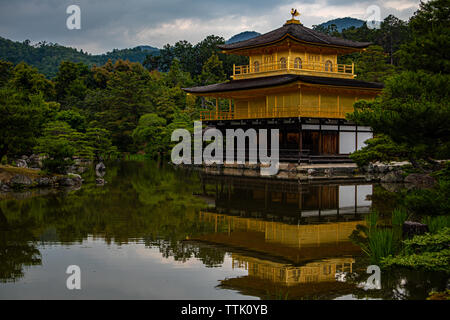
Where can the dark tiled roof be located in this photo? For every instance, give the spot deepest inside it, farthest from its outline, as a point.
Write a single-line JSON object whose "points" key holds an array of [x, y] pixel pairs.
{"points": [[264, 82], [298, 32]]}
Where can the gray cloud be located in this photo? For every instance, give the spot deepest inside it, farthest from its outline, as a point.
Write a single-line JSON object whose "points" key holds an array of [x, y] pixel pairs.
{"points": [[108, 24]]}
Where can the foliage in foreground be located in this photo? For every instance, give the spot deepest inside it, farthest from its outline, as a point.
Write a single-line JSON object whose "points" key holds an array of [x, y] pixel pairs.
{"points": [[445, 295], [433, 202], [410, 119], [436, 223], [375, 242], [430, 252]]}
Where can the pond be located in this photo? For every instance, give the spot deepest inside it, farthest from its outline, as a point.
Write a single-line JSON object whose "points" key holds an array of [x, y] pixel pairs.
{"points": [[156, 232]]}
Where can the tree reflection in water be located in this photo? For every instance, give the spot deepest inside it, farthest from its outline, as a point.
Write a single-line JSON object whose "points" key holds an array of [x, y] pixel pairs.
{"points": [[289, 237]]}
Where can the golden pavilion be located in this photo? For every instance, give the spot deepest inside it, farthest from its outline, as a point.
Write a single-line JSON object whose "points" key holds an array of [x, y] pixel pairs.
{"points": [[294, 83]]}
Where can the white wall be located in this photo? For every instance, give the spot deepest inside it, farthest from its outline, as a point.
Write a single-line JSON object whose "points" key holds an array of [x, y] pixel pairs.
{"points": [[362, 137], [347, 142]]}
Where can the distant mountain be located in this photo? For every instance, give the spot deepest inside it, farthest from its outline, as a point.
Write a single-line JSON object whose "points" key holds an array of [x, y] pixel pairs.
{"points": [[148, 48], [342, 23], [243, 36], [46, 57]]}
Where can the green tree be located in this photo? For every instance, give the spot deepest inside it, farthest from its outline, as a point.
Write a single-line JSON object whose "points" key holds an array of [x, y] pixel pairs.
{"points": [[380, 148], [413, 112], [99, 140], [149, 134], [57, 145], [152, 62], [6, 69], [74, 118], [371, 65], [392, 33], [212, 71], [28, 81], [125, 99], [428, 49], [71, 83], [20, 121]]}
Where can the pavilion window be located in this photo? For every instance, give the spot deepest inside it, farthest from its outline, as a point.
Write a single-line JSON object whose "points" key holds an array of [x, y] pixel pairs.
{"points": [[329, 66], [256, 66], [283, 64], [297, 63]]}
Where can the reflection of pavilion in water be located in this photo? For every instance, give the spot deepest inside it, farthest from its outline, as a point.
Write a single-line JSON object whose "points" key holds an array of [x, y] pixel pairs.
{"points": [[288, 200], [285, 234], [300, 259], [289, 275], [280, 241]]}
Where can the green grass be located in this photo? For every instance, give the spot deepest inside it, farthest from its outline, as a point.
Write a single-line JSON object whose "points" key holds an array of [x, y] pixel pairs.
{"points": [[372, 219], [399, 216], [436, 223], [380, 244]]}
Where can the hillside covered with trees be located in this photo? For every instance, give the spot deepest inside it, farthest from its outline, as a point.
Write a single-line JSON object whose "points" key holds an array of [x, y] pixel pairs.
{"points": [[47, 57], [340, 24], [118, 107]]}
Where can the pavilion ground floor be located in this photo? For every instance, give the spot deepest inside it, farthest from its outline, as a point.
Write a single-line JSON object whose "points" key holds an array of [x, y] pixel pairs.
{"points": [[310, 140]]}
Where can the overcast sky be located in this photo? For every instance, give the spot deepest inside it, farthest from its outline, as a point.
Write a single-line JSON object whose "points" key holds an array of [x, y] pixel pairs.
{"points": [[108, 24]]}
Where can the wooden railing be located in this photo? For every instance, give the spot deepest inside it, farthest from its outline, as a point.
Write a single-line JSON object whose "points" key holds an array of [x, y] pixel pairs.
{"points": [[279, 112], [212, 115], [295, 67]]}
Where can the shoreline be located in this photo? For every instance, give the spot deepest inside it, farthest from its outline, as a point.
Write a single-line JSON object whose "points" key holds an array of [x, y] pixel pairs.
{"points": [[388, 173]]}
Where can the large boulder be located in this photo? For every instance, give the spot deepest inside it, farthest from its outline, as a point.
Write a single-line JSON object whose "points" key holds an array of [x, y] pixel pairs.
{"points": [[100, 167], [21, 163], [35, 161], [4, 187], [20, 180], [329, 172], [76, 177], [420, 180], [70, 180], [43, 182], [392, 177], [100, 181], [380, 167], [66, 182], [411, 228]]}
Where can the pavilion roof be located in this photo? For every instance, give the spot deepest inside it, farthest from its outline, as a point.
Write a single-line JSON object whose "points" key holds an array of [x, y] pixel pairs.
{"points": [[272, 81], [296, 32]]}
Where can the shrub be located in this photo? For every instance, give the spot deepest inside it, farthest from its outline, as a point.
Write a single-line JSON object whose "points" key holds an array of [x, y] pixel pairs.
{"points": [[399, 216], [436, 223], [431, 261], [428, 242], [429, 251], [372, 219], [380, 244], [433, 201]]}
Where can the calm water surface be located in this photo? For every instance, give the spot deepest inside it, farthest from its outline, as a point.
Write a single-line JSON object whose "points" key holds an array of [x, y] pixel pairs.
{"points": [[159, 233]]}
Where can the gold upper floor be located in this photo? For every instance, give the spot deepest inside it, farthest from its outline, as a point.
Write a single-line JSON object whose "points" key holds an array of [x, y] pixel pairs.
{"points": [[294, 49], [289, 58]]}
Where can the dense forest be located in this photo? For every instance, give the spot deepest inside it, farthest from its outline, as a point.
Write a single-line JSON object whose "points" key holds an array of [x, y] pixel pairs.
{"points": [[121, 107], [47, 57]]}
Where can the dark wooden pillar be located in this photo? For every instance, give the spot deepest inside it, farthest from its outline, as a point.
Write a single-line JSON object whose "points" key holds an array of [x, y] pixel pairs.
{"points": [[300, 143]]}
